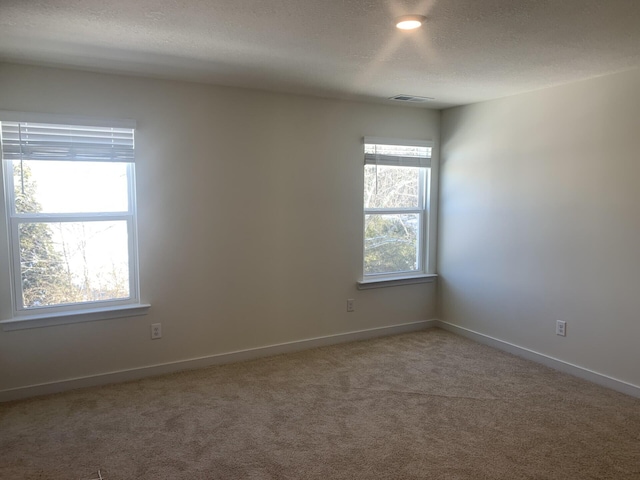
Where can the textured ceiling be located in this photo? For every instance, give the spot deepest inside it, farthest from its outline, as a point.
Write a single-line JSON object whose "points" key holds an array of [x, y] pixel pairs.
{"points": [[468, 51]]}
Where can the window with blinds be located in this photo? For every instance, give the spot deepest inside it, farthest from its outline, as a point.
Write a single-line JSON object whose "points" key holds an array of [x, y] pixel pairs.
{"points": [[48, 141], [71, 212], [397, 179]]}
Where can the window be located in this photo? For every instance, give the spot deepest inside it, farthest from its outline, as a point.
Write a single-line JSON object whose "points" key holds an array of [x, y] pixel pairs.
{"points": [[71, 213], [397, 190]]}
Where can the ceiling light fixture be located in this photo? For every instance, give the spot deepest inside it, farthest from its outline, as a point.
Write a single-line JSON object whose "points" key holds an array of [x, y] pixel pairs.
{"points": [[410, 22]]}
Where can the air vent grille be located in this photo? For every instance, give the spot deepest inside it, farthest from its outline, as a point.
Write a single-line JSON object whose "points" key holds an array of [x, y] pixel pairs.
{"points": [[411, 98]]}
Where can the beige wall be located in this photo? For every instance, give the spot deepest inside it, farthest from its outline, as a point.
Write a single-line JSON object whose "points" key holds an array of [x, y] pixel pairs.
{"points": [[250, 221], [540, 220]]}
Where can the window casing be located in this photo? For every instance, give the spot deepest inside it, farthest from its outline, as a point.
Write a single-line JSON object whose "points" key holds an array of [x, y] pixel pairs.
{"points": [[397, 221], [71, 213]]}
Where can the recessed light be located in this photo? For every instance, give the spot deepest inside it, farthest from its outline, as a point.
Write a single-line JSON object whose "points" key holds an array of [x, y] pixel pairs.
{"points": [[410, 22]]}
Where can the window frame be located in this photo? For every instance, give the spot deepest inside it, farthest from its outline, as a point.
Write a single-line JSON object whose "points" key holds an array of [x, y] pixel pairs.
{"points": [[426, 230], [28, 317]]}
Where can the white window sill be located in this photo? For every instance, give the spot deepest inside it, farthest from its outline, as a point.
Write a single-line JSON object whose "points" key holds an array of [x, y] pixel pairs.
{"points": [[382, 282], [76, 316]]}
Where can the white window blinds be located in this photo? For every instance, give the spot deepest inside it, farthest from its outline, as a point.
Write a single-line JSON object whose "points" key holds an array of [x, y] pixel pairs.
{"points": [[48, 141], [409, 153]]}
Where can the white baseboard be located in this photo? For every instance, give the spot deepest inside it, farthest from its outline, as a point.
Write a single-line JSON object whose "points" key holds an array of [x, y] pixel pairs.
{"points": [[270, 350], [556, 364], [201, 362]]}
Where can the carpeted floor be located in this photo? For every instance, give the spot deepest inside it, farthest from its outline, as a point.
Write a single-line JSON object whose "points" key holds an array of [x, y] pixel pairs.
{"points": [[426, 405]]}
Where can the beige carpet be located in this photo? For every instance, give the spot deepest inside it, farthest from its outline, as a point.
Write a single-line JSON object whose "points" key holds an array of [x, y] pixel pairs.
{"points": [[427, 405]]}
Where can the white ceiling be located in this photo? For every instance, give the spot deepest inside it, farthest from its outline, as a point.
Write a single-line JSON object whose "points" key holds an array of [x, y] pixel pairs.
{"points": [[468, 51]]}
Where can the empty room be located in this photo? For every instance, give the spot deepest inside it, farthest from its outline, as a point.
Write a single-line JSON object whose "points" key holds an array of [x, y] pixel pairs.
{"points": [[320, 239]]}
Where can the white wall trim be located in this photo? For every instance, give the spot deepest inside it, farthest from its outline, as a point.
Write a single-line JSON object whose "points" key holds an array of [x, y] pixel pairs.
{"points": [[295, 346], [207, 361], [556, 364]]}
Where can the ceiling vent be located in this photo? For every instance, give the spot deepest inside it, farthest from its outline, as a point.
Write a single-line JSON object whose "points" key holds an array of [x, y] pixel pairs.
{"points": [[411, 99]]}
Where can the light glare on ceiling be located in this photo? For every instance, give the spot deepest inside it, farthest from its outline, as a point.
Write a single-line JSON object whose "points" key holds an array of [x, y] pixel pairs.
{"points": [[410, 22]]}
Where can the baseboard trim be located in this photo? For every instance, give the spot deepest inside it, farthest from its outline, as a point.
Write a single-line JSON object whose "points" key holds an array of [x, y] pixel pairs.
{"points": [[556, 364], [207, 361]]}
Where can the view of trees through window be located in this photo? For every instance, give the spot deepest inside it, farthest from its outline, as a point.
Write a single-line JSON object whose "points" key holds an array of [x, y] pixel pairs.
{"points": [[393, 203], [64, 262]]}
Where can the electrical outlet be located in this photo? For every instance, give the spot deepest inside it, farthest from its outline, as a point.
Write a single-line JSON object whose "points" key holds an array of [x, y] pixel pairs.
{"points": [[561, 328], [351, 307], [156, 331]]}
